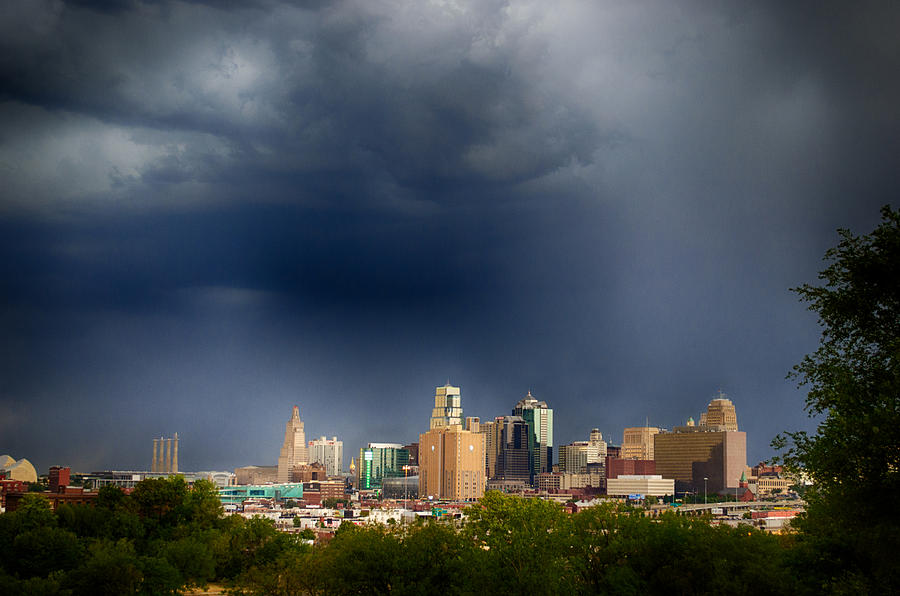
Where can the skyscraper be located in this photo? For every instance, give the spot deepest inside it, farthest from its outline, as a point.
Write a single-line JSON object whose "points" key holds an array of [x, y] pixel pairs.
{"points": [[540, 442], [510, 459], [447, 407], [451, 458], [637, 442], [451, 464], [293, 451], [714, 450], [720, 412], [328, 452]]}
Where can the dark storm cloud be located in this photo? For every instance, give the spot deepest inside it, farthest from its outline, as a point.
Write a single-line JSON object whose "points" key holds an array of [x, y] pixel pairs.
{"points": [[221, 208]]}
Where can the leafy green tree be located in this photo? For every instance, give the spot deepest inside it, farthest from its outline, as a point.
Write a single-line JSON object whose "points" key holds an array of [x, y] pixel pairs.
{"points": [[110, 497], [436, 559], [618, 550], [360, 560], [192, 558], [160, 503], [526, 539], [111, 569], [158, 576], [851, 535], [42, 550], [295, 572], [245, 543], [34, 512]]}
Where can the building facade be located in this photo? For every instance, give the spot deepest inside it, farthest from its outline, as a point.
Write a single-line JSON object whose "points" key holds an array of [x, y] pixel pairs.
{"points": [[643, 485], [616, 467], [720, 412], [447, 409], [689, 454], [294, 451], [328, 452], [574, 458], [539, 418], [236, 495], [510, 458], [637, 442], [378, 461], [255, 474], [14, 469], [451, 464]]}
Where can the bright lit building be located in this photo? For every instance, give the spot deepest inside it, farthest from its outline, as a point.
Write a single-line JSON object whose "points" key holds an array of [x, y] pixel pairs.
{"points": [[328, 452], [637, 442], [447, 409], [645, 486], [689, 454], [14, 469], [294, 451], [720, 412], [378, 461], [451, 464]]}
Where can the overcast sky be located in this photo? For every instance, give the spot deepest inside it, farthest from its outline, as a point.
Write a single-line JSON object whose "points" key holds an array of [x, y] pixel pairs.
{"points": [[210, 212]]}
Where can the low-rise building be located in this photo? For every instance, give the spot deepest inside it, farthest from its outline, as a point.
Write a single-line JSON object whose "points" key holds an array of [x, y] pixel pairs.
{"points": [[236, 495], [649, 485]]}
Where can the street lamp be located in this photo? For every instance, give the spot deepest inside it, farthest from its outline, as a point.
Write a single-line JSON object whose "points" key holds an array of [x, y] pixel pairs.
{"points": [[704, 489], [405, 487]]}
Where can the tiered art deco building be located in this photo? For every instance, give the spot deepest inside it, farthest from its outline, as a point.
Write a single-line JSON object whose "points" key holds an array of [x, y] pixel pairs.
{"points": [[451, 458], [709, 457], [294, 451]]}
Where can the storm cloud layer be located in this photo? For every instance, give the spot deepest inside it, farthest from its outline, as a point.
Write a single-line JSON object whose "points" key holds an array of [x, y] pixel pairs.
{"points": [[212, 211]]}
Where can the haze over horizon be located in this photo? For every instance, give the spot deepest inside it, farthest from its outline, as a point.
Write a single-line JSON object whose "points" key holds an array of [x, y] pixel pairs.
{"points": [[212, 212]]}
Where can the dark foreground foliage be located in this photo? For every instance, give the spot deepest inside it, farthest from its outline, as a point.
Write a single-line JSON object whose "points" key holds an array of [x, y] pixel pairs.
{"points": [[165, 538], [850, 538]]}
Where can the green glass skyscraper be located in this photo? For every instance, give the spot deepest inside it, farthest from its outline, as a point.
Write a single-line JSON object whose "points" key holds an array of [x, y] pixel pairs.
{"points": [[379, 461], [539, 418]]}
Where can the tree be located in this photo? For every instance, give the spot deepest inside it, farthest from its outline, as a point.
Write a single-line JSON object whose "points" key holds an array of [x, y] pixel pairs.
{"points": [[850, 532], [526, 539]]}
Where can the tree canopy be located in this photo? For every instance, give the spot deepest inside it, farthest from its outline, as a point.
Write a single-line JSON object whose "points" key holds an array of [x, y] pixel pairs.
{"points": [[853, 382]]}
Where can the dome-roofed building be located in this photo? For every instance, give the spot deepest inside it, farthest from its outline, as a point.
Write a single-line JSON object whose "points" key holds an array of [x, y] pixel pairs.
{"points": [[17, 469]]}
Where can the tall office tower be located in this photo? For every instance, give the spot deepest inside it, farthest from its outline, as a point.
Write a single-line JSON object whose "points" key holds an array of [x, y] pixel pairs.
{"points": [[511, 457], [155, 467], [451, 464], [637, 442], [720, 412], [378, 461], [447, 409], [294, 451], [690, 454], [540, 421], [328, 452]]}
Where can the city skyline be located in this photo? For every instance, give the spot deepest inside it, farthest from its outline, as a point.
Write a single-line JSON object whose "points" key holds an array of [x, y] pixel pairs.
{"points": [[209, 214]]}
